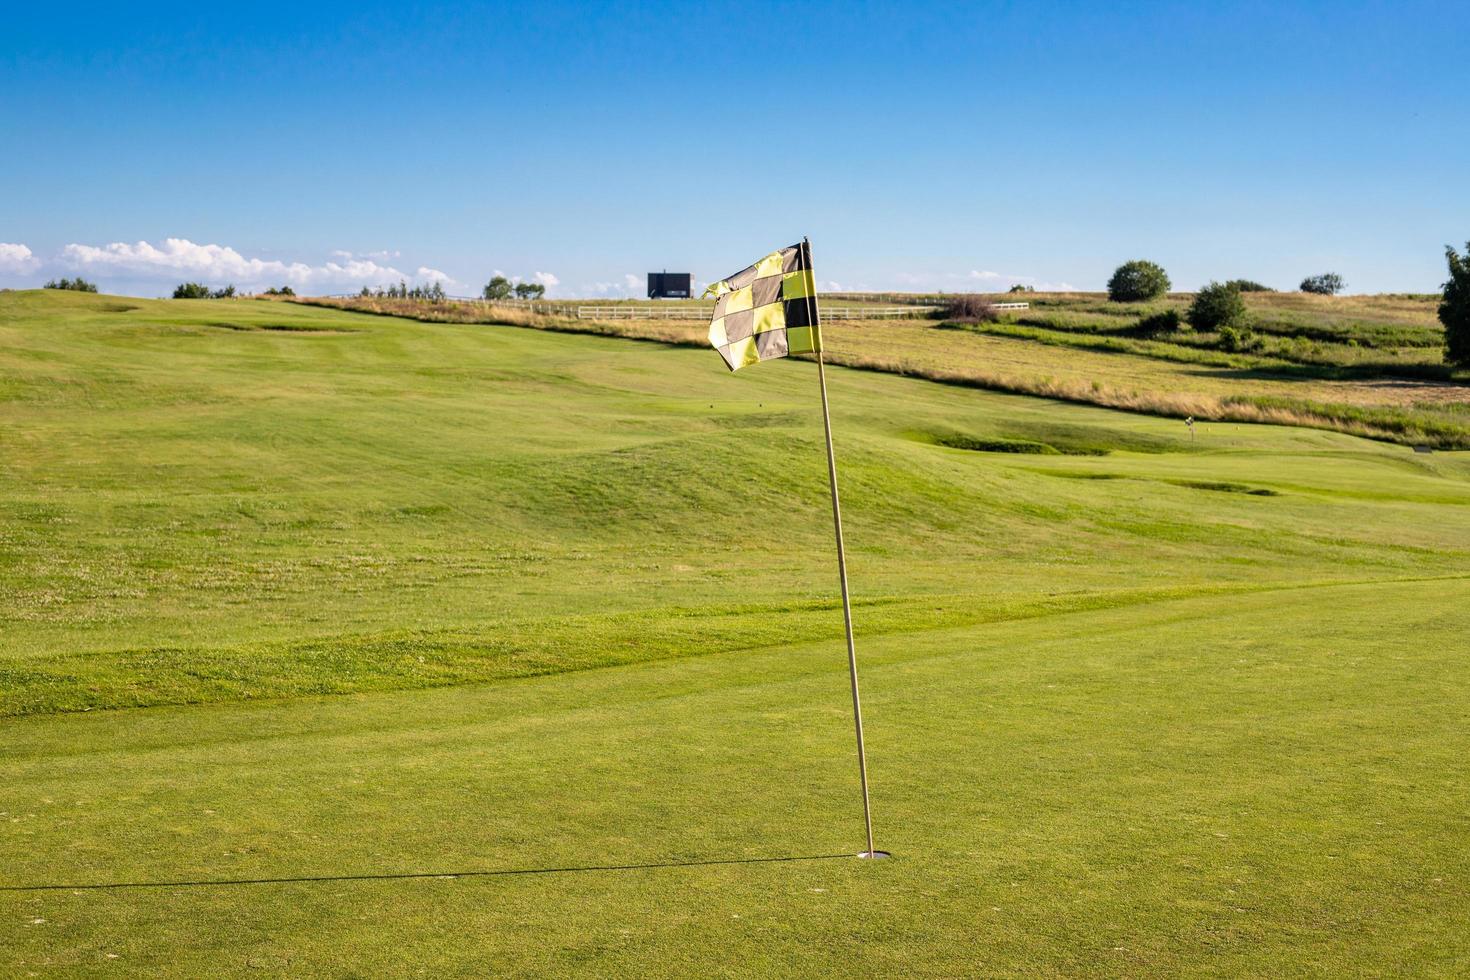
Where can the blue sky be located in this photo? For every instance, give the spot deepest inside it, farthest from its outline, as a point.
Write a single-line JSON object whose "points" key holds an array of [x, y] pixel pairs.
{"points": [[920, 145]]}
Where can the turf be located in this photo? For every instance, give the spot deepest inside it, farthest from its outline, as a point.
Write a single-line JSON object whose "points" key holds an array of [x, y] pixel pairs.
{"points": [[391, 598], [1365, 365]]}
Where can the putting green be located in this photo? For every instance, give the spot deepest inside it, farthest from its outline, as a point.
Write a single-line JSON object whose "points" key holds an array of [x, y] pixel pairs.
{"points": [[1178, 786]]}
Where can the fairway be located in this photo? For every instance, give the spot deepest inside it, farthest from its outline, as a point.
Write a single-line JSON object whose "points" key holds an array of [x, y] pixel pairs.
{"points": [[295, 593]]}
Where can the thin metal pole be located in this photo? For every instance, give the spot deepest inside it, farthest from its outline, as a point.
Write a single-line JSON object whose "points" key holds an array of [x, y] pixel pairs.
{"points": [[857, 704]]}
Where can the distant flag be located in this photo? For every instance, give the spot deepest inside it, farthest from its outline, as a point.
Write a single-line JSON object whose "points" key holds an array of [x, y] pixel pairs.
{"points": [[768, 310]]}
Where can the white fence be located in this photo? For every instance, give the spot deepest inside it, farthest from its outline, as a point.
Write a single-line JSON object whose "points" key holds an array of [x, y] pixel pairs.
{"points": [[874, 312], [632, 312], [639, 311]]}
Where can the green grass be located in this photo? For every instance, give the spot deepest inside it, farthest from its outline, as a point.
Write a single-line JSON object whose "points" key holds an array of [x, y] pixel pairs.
{"points": [[1351, 350], [384, 597], [1081, 348]]}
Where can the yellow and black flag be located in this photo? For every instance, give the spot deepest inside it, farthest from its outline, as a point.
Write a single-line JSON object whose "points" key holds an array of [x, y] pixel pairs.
{"points": [[768, 310]]}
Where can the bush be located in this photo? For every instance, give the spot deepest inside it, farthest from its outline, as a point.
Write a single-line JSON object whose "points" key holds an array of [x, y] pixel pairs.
{"points": [[1327, 284], [1249, 286], [1454, 308], [197, 290], [78, 284], [283, 291], [1168, 321], [1019, 288], [498, 288], [970, 308], [1238, 339], [1217, 305], [1136, 281]]}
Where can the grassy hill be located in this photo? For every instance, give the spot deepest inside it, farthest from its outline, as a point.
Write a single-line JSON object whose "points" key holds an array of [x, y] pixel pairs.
{"points": [[1367, 365], [393, 598]]}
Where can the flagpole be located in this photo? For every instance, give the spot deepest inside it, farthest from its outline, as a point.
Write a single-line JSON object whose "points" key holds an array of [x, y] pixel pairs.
{"points": [[857, 704]]}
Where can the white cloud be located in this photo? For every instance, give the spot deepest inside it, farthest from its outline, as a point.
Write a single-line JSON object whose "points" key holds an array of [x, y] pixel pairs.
{"points": [[15, 257], [427, 274], [547, 279], [363, 272], [214, 264], [179, 255], [630, 287], [382, 255]]}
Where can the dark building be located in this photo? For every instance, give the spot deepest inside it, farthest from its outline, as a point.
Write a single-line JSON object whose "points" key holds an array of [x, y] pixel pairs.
{"points": [[670, 285]]}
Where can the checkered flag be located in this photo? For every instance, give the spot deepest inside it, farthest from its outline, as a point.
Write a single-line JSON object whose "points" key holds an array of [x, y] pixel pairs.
{"points": [[768, 310]]}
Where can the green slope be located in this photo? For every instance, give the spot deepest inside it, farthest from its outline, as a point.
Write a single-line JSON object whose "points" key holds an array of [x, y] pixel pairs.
{"points": [[1140, 705], [219, 500]]}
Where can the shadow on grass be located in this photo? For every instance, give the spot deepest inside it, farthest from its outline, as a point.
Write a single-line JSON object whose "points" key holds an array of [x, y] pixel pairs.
{"points": [[407, 875], [1365, 371]]}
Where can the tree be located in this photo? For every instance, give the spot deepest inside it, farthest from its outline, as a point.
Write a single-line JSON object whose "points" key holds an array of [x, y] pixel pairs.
{"points": [[1137, 281], [197, 290], [1454, 308], [529, 290], [1217, 305], [1250, 286], [1327, 284], [78, 284], [498, 288]]}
